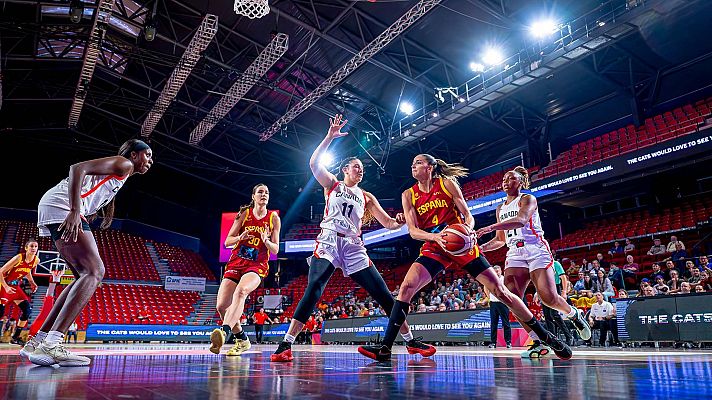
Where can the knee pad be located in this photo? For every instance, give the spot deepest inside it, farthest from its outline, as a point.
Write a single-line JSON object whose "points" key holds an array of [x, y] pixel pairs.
{"points": [[26, 308]]}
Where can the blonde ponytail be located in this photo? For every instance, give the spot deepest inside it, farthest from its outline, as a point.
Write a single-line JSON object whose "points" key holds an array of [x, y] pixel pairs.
{"points": [[523, 175], [445, 170]]}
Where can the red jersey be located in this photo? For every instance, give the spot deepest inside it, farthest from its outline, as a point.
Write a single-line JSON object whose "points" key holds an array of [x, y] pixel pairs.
{"points": [[260, 318], [252, 249], [21, 269], [435, 207]]}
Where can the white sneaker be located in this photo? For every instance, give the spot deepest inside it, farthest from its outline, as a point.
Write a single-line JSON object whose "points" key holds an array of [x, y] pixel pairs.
{"points": [[29, 347], [44, 355]]}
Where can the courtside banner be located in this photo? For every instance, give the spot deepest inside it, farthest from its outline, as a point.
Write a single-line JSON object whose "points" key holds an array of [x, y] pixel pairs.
{"points": [[189, 283], [167, 333], [173, 333], [665, 318], [448, 326]]}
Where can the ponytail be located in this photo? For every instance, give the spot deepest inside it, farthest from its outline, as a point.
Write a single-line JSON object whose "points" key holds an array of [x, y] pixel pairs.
{"points": [[445, 170], [523, 176]]}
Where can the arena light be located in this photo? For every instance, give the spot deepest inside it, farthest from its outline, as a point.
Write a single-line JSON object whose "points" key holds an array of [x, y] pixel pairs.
{"points": [[406, 107], [477, 67], [543, 28], [76, 10], [326, 159], [202, 38], [492, 56]]}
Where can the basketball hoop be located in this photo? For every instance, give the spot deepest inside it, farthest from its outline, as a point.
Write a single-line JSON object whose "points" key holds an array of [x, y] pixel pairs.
{"points": [[57, 275], [251, 8]]}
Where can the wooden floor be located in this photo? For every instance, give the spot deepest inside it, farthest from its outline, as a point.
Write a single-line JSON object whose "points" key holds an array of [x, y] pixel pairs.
{"points": [[339, 372]]}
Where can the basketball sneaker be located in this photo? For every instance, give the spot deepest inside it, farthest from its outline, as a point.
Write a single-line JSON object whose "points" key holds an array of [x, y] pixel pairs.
{"points": [[379, 353], [283, 353], [217, 340], [240, 347], [561, 349], [17, 341], [29, 347], [581, 325], [537, 350], [44, 355], [415, 346]]}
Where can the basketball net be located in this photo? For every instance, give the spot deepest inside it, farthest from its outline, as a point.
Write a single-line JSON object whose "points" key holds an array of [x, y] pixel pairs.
{"points": [[251, 8]]}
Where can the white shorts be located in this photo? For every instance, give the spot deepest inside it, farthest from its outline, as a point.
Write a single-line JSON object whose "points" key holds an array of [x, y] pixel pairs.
{"points": [[530, 255], [347, 253]]}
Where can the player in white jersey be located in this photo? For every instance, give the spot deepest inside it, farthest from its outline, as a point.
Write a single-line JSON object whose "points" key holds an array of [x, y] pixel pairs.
{"points": [[529, 257], [64, 213], [339, 244]]}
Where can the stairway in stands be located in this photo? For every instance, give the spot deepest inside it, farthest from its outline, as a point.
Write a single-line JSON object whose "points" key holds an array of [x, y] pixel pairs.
{"points": [[162, 266], [9, 248], [204, 309]]}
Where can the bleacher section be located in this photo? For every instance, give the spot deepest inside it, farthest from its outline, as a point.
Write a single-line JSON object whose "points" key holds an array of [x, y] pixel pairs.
{"points": [[184, 262], [120, 303], [669, 125], [303, 231], [487, 185]]}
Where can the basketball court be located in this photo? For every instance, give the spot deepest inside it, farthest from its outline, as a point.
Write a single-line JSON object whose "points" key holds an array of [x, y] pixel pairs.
{"points": [[338, 372]]}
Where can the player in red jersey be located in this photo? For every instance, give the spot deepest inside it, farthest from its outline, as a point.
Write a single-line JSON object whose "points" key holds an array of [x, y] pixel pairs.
{"points": [[11, 274], [253, 237], [434, 202]]}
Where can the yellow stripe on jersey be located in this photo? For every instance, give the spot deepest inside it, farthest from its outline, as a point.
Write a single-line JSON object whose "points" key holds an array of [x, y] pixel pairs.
{"points": [[412, 196], [442, 185]]}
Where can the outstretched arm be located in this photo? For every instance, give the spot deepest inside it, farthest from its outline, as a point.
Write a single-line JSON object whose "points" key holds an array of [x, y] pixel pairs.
{"points": [[381, 215], [498, 241], [527, 206], [325, 178]]}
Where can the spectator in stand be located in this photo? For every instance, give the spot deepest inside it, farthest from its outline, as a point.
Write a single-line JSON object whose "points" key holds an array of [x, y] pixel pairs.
{"points": [[696, 277], [579, 285], [678, 256], [142, 315], [595, 269], [660, 285], [435, 299], [459, 295], [700, 289], [646, 291], [704, 263], [456, 306], [309, 328], [657, 248], [674, 282], [603, 285], [672, 246], [657, 271], [602, 262], [395, 292], [622, 294], [616, 249], [573, 268], [601, 317], [421, 308], [587, 286], [468, 300], [685, 288], [586, 266], [705, 280], [441, 307], [72, 332], [629, 246], [481, 299], [689, 267]]}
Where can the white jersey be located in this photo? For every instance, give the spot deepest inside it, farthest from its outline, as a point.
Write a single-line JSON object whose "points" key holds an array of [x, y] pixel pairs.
{"points": [[96, 192], [344, 209], [530, 233]]}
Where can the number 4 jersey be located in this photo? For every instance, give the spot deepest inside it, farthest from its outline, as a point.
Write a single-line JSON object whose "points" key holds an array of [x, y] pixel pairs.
{"points": [[344, 209]]}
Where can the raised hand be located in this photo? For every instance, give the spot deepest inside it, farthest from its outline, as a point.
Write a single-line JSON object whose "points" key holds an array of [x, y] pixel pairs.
{"points": [[266, 234], [335, 125]]}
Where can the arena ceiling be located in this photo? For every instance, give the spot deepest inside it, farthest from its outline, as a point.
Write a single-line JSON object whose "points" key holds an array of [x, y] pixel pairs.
{"points": [[665, 57]]}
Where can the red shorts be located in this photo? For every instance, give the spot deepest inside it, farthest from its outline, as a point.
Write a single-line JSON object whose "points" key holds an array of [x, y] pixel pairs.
{"points": [[19, 295], [239, 267], [433, 251]]}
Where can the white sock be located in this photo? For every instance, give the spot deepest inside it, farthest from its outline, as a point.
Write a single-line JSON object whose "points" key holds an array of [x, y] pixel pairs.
{"points": [[53, 338], [533, 335], [40, 336], [572, 313], [289, 338], [407, 336]]}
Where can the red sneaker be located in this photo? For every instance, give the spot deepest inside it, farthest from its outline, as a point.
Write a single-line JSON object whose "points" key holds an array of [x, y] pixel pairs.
{"points": [[415, 346], [283, 353]]}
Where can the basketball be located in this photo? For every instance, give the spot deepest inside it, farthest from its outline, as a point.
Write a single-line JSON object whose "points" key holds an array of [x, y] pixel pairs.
{"points": [[459, 239]]}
